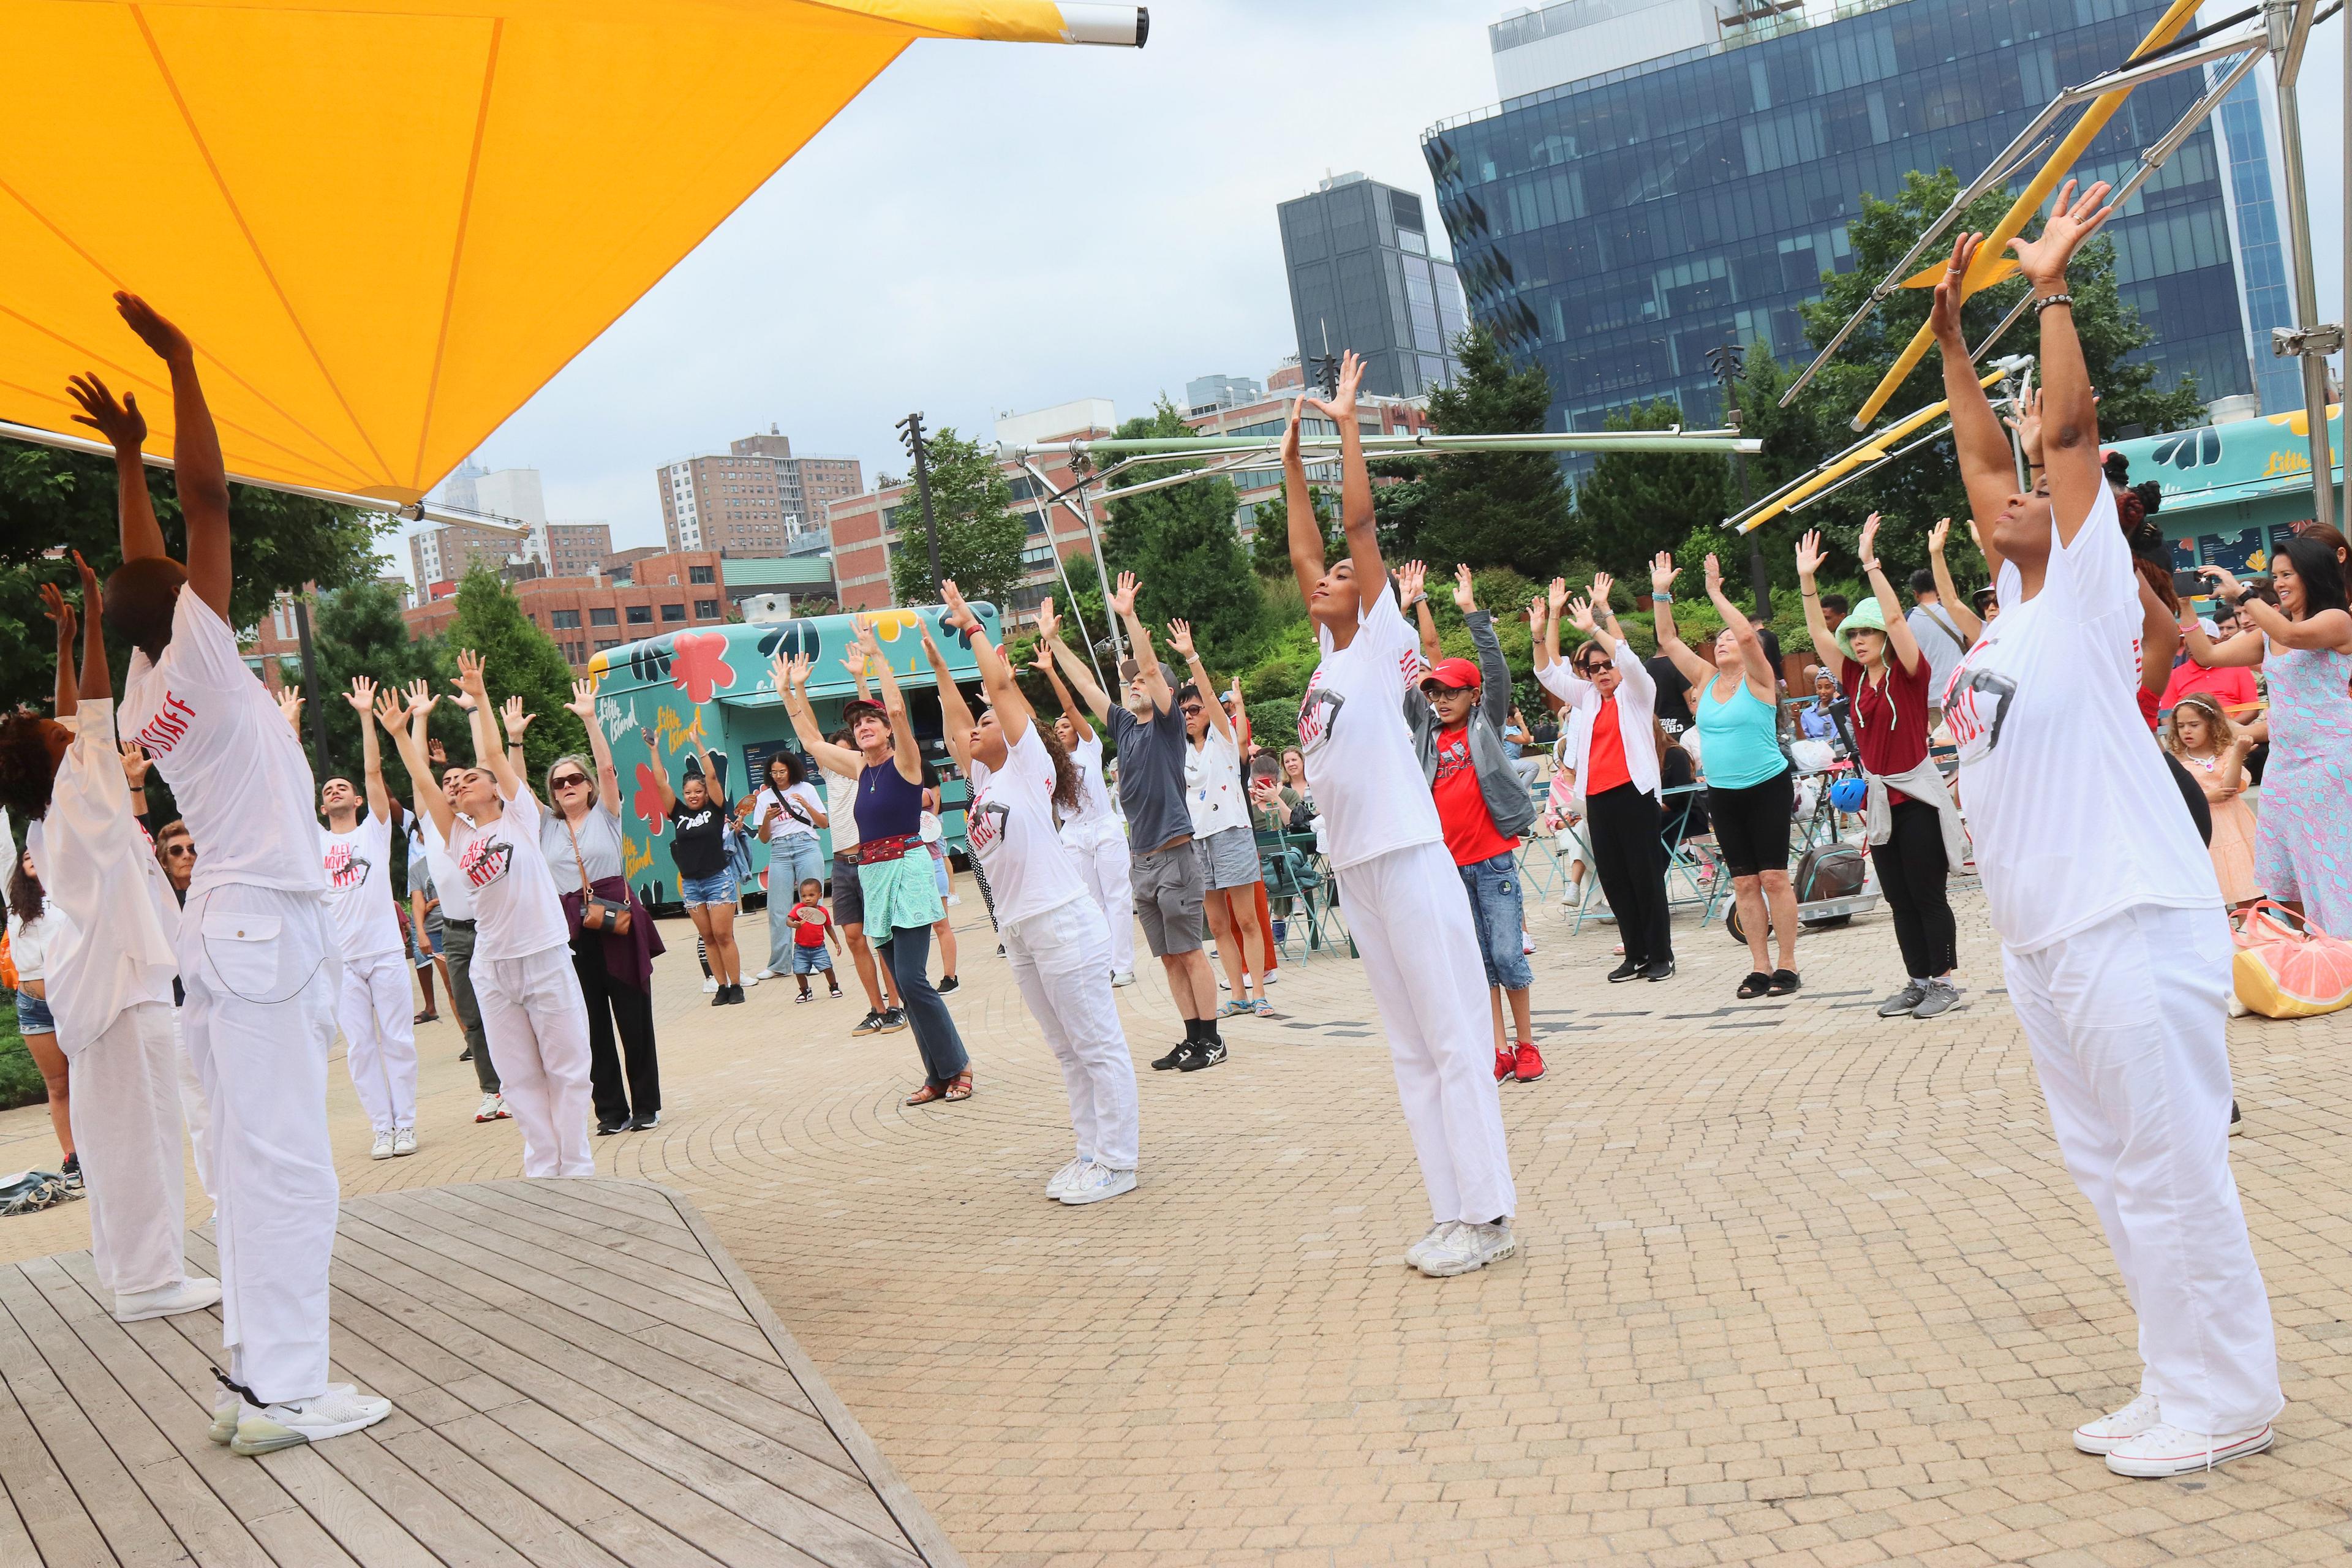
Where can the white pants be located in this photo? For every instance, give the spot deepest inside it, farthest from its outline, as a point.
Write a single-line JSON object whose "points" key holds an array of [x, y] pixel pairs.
{"points": [[1410, 919], [191, 1106], [2128, 1025], [1061, 958], [380, 1037], [126, 1127], [537, 1024], [260, 970], [1103, 860]]}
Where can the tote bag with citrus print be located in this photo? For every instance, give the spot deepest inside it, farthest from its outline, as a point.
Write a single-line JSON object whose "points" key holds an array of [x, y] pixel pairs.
{"points": [[2284, 972]]}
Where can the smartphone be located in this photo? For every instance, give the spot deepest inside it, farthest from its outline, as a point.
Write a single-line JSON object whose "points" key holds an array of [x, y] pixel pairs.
{"points": [[2192, 585]]}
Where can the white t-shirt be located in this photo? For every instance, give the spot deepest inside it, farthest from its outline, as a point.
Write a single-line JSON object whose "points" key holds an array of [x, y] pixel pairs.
{"points": [[1213, 785], [1097, 801], [359, 887], [1366, 780], [2074, 814], [231, 759], [841, 809], [448, 883], [1010, 827], [110, 921], [503, 867], [804, 795]]}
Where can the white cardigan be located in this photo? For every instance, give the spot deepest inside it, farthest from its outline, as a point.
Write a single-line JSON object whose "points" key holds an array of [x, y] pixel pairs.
{"points": [[1637, 695]]}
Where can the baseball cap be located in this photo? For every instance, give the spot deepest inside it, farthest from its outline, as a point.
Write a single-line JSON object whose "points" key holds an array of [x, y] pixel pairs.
{"points": [[1455, 674]]}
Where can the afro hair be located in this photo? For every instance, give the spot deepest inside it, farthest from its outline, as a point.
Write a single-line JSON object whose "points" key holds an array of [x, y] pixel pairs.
{"points": [[29, 764]]}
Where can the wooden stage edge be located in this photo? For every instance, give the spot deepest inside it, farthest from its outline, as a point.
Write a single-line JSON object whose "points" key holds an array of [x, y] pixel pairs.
{"points": [[581, 1377]]}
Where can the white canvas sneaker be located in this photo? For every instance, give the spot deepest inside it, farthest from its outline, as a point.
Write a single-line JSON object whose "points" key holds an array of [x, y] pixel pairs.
{"points": [[382, 1149], [169, 1300], [2165, 1450], [264, 1429], [751, 980], [1095, 1183], [1125, 977], [404, 1141], [1059, 1182], [1413, 1254], [1468, 1246], [763, 974], [2101, 1435]]}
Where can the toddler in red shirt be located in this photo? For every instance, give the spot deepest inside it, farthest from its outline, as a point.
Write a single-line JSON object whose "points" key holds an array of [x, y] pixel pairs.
{"points": [[811, 926]]}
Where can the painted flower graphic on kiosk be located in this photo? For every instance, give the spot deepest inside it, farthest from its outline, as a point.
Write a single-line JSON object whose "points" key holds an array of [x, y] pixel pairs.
{"points": [[790, 638], [890, 625], [647, 801], [698, 665]]}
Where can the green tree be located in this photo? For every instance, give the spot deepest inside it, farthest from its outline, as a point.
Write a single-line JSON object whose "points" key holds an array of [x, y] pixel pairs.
{"points": [[1181, 544], [1633, 504], [357, 631], [51, 499], [1270, 545], [1492, 509], [981, 536], [518, 660]]}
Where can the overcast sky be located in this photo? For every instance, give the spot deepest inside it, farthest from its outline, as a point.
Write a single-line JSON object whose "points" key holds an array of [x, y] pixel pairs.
{"points": [[995, 228]]}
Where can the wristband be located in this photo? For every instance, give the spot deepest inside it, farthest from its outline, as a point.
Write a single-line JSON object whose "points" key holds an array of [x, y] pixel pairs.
{"points": [[2048, 300], [1657, 598]]}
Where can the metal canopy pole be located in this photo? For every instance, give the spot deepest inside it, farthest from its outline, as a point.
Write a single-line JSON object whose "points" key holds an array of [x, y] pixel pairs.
{"points": [[2289, 25], [1045, 520], [1094, 539]]}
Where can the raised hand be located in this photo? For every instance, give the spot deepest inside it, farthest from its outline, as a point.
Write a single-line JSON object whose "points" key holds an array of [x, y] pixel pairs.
{"points": [[1290, 432], [158, 334], [469, 675], [1601, 583], [389, 711], [1866, 547], [1938, 535], [1341, 405], [1465, 600], [2071, 221], [362, 694], [1539, 613], [869, 648], [120, 423], [2028, 425], [1557, 596], [92, 596], [1943, 317], [1663, 573], [1179, 638], [510, 714], [135, 764], [1809, 554], [289, 703], [421, 698], [1122, 598], [1411, 576], [1049, 628], [960, 614], [794, 674], [1976, 538], [2225, 583], [583, 700], [1580, 615], [1714, 569], [55, 605]]}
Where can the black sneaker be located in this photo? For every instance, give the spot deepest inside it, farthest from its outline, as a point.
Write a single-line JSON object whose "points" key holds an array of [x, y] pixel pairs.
{"points": [[834, 995], [1174, 1059], [466, 1055], [606, 1128], [718, 998], [894, 1020], [1629, 970], [1204, 1055], [645, 1123], [72, 1172], [1660, 971], [869, 1024], [2236, 1122], [948, 985]]}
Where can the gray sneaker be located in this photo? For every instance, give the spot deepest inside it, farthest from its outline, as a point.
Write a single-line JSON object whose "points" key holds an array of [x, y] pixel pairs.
{"points": [[1942, 997], [1904, 1001]]}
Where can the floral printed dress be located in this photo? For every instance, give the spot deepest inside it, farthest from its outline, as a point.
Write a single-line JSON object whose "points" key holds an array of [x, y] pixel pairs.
{"points": [[2303, 852]]}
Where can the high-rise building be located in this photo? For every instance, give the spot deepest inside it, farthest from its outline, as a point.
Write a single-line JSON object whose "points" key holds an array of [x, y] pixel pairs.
{"points": [[755, 498], [1662, 176], [1363, 277], [440, 556], [1207, 394]]}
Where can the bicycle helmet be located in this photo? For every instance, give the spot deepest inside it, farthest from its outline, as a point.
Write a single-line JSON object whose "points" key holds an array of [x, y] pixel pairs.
{"points": [[1850, 794]]}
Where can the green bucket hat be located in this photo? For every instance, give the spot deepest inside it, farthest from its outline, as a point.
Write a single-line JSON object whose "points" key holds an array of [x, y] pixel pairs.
{"points": [[1866, 616]]}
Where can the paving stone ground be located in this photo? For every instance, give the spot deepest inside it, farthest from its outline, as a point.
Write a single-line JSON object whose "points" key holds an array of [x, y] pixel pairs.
{"points": [[1794, 1286]]}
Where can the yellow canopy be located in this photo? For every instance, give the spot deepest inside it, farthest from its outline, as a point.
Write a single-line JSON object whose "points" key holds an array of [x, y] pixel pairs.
{"points": [[386, 223]]}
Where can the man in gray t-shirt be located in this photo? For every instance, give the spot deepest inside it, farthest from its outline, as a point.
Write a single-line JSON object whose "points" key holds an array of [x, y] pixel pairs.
{"points": [[1932, 626]]}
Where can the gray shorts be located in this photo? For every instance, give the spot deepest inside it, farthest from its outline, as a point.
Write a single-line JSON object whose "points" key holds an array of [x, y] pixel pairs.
{"points": [[848, 898], [1229, 858], [1169, 894]]}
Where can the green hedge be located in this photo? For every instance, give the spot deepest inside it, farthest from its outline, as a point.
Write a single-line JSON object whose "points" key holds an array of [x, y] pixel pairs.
{"points": [[20, 1080]]}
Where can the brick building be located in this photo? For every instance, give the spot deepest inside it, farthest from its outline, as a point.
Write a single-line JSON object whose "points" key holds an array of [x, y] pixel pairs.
{"points": [[1255, 487], [754, 498], [589, 614]]}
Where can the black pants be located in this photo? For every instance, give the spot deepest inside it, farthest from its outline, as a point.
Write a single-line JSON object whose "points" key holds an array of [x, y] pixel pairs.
{"points": [[1912, 869], [1629, 855], [909, 954], [610, 1005]]}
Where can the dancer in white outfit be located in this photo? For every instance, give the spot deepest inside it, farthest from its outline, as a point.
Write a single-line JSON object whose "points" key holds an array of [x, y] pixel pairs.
{"points": [[2112, 939], [379, 1034], [256, 953], [110, 965], [1404, 901], [532, 1011], [1096, 832], [1054, 935]]}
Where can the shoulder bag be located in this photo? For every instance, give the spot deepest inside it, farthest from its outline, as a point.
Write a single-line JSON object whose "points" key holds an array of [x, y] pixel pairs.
{"points": [[595, 914]]}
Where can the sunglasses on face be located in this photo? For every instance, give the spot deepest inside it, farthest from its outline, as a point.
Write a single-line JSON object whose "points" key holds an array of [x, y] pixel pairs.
{"points": [[177, 850], [567, 780]]}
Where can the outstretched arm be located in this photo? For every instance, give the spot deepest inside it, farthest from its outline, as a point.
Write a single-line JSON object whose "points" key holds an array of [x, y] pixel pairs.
{"points": [[2069, 420], [1763, 680], [406, 727], [1139, 638], [1356, 516], [201, 480], [1493, 670], [2329, 629], [1413, 597], [487, 753], [955, 714], [1305, 533], [1987, 470], [1963, 617], [1179, 638], [1013, 715], [1899, 639], [126, 428], [1050, 653], [904, 752], [61, 614], [792, 687], [608, 778], [379, 799], [1686, 662], [1809, 556]]}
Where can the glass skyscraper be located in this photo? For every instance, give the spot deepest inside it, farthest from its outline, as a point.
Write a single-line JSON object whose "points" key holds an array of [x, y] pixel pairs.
{"points": [[1361, 277], [1618, 226]]}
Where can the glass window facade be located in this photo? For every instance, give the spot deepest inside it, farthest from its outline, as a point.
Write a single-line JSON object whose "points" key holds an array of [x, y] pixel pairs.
{"points": [[1616, 229], [1361, 277]]}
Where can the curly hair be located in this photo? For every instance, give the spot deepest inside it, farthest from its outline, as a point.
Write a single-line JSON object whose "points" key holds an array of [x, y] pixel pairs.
{"points": [[1067, 780], [24, 894], [795, 771], [2217, 722], [28, 773]]}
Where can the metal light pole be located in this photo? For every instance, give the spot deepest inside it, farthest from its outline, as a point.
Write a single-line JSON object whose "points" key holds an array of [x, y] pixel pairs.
{"points": [[314, 691], [910, 432], [1726, 362], [2311, 339]]}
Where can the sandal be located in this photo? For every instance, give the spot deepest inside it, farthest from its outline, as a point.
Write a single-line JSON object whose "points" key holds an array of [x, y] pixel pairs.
{"points": [[1784, 980], [925, 1095], [960, 1086], [426, 1018], [1757, 984]]}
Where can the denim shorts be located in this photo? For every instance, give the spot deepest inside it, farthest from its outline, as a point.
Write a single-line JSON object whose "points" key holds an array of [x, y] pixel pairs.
{"points": [[1496, 912], [33, 1015], [716, 889], [810, 959]]}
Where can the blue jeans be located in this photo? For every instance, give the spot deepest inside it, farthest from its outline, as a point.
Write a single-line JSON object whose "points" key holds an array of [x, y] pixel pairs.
{"points": [[792, 859], [1494, 910]]}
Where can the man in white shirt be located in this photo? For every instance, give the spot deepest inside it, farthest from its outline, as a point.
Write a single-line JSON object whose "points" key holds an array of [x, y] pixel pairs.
{"points": [[1938, 638], [257, 955], [379, 1034], [110, 966]]}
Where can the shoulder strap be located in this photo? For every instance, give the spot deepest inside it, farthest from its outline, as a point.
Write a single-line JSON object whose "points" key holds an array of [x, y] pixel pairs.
{"points": [[585, 890]]}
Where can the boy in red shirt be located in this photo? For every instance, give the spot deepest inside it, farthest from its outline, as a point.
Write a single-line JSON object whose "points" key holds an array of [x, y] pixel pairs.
{"points": [[811, 927]]}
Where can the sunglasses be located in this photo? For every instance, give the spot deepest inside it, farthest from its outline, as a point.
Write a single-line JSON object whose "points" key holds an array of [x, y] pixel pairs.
{"points": [[567, 780], [177, 850]]}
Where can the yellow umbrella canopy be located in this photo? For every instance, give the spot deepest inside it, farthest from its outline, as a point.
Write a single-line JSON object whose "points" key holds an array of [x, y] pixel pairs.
{"points": [[386, 223]]}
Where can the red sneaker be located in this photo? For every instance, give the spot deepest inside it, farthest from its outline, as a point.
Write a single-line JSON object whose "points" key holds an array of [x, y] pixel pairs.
{"points": [[1504, 1062], [1529, 1067]]}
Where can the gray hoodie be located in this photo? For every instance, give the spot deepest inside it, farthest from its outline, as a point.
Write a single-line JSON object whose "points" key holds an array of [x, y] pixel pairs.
{"points": [[1508, 801]]}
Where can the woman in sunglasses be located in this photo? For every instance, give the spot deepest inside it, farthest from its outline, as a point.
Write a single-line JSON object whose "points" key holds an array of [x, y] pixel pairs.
{"points": [[2113, 942]]}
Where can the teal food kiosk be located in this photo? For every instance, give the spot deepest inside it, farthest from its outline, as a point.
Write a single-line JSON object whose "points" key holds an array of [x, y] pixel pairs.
{"points": [[711, 687], [2232, 492]]}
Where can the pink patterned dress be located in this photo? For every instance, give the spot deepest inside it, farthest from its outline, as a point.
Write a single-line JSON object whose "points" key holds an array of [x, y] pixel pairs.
{"points": [[2302, 851]]}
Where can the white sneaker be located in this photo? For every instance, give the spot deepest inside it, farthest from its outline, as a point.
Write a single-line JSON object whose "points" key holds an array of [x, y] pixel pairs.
{"points": [[954, 898], [492, 1109], [1468, 1246], [763, 974], [264, 1429], [404, 1141], [226, 1403], [1413, 1254], [383, 1148], [187, 1296], [1059, 1182], [2100, 1437], [709, 985], [1095, 1183], [1124, 977], [1527, 943], [2165, 1450]]}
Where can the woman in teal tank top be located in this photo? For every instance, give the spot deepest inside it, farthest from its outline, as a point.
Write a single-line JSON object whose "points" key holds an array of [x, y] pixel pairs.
{"points": [[1751, 789]]}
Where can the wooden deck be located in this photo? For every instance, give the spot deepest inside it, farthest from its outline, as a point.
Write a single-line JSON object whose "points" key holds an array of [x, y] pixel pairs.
{"points": [[580, 1375]]}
